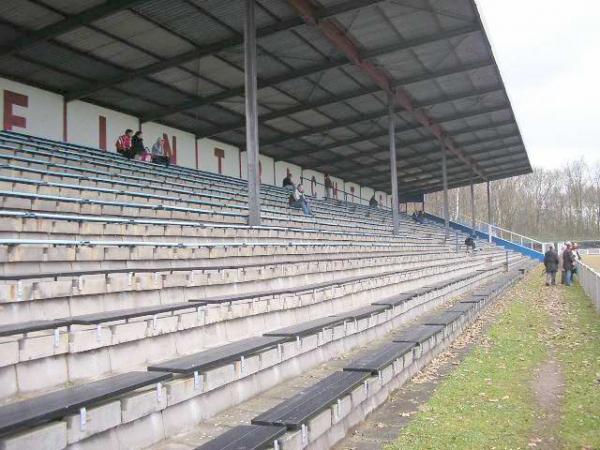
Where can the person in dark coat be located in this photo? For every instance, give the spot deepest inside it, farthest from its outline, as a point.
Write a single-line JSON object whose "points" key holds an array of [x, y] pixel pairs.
{"points": [[568, 264], [551, 263], [288, 184], [137, 145], [470, 244]]}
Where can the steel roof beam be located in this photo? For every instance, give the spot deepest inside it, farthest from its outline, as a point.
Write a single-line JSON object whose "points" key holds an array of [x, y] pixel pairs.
{"points": [[364, 138], [210, 49], [456, 167], [404, 169], [304, 72], [373, 116], [408, 143], [359, 93], [418, 158], [70, 23], [348, 96], [338, 37], [431, 186]]}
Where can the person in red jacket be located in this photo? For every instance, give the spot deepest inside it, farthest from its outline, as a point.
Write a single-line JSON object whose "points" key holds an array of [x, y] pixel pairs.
{"points": [[124, 145]]}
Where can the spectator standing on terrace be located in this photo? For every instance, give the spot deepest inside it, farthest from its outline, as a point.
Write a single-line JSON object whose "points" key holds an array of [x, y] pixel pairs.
{"points": [[551, 263], [328, 186], [124, 145], [298, 200], [137, 145], [373, 202], [560, 262], [288, 184], [159, 156], [568, 264], [576, 259], [470, 244]]}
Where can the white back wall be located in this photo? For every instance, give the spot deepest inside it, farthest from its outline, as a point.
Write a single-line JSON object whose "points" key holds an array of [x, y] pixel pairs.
{"points": [[31, 110], [317, 190], [181, 143], [366, 194], [352, 188], [217, 157], [93, 125], [266, 168], [281, 170], [382, 198], [34, 111]]}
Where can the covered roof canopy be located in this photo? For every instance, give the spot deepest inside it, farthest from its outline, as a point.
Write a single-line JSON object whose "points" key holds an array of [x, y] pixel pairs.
{"points": [[180, 62]]}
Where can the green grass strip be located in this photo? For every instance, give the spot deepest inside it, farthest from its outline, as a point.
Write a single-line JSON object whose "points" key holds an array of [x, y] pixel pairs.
{"points": [[578, 349], [487, 402]]}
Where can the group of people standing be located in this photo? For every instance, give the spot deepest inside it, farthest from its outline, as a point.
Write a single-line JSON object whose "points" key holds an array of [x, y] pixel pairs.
{"points": [[566, 261], [131, 146]]}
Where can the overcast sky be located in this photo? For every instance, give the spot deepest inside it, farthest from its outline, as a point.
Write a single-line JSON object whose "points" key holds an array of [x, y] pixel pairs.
{"points": [[549, 56]]}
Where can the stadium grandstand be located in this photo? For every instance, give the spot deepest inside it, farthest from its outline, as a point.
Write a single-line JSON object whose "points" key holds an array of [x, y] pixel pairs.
{"points": [[141, 301]]}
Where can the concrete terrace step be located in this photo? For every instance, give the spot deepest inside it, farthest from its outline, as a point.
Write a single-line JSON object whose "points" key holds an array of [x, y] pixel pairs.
{"points": [[297, 410], [324, 411], [56, 404], [246, 437], [220, 376]]}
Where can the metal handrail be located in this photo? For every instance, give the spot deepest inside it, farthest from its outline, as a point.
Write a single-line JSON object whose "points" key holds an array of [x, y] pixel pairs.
{"points": [[497, 231], [589, 279]]}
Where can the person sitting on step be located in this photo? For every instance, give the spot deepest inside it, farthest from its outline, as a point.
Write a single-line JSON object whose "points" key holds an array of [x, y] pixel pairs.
{"points": [[298, 200]]}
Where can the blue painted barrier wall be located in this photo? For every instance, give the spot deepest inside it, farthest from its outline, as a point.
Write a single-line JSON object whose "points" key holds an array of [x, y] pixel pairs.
{"points": [[534, 254]]}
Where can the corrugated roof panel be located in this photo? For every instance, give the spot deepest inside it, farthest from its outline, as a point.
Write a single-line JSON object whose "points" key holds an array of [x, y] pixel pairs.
{"points": [[184, 81], [338, 111], [216, 114], [191, 122], [134, 28], [15, 66], [292, 49], [71, 7], [54, 79], [126, 103], [86, 66], [311, 118], [185, 19], [27, 14], [102, 46], [154, 91], [286, 125], [218, 71]]}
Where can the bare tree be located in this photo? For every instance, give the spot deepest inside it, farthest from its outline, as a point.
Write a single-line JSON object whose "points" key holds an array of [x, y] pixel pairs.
{"points": [[547, 204]]}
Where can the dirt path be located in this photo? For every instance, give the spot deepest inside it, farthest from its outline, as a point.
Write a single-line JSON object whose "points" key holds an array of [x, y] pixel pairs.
{"points": [[549, 384]]}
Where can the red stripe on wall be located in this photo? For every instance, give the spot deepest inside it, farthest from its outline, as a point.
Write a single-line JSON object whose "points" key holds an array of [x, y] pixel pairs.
{"points": [[102, 132], [10, 118]]}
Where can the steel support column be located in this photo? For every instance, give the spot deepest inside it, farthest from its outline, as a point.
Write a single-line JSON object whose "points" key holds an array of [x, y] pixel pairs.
{"points": [[445, 185], [393, 164], [251, 115], [489, 211], [472, 207]]}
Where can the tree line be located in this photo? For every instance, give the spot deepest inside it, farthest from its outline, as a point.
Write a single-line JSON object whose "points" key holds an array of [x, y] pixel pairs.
{"points": [[548, 204]]}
